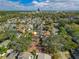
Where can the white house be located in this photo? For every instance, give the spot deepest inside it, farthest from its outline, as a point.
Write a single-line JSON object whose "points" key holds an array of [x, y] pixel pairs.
{"points": [[43, 56], [27, 55]]}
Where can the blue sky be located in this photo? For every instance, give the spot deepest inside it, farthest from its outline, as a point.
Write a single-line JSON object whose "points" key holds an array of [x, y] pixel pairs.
{"points": [[42, 4]]}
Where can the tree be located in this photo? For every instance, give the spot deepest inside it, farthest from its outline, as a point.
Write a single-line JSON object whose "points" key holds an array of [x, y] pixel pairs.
{"points": [[22, 43], [56, 44], [3, 50]]}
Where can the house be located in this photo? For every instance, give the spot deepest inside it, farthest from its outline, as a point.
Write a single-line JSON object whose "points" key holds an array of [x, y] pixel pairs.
{"points": [[12, 55], [27, 55], [34, 33], [75, 54], [21, 28], [46, 33], [5, 43], [43, 56]]}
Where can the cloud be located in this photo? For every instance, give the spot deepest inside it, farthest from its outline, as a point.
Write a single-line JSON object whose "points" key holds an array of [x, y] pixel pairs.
{"points": [[64, 0], [40, 4], [63, 6], [15, 5], [58, 4]]}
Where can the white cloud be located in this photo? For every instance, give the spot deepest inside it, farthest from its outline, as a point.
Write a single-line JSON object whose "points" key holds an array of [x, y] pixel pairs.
{"points": [[63, 0], [64, 5], [40, 4], [15, 5], [58, 4], [47, 5]]}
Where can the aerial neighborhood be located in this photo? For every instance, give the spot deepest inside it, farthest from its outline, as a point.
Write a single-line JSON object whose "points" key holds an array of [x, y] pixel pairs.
{"points": [[39, 35]]}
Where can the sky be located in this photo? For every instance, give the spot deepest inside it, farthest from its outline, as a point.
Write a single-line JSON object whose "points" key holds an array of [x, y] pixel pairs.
{"points": [[42, 4]]}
